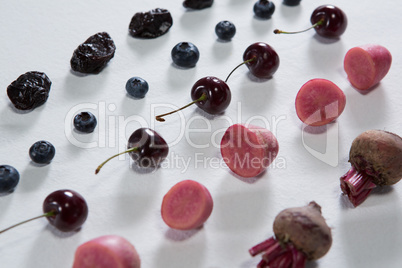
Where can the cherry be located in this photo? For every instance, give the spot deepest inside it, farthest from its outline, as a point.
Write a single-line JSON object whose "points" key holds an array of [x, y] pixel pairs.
{"points": [[66, 210], [327, 20], [146, 147], [261, 59], [210, 94]]}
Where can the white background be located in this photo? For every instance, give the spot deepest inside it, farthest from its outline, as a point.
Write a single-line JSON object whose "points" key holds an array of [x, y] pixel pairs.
{"points": [[42, 35]]}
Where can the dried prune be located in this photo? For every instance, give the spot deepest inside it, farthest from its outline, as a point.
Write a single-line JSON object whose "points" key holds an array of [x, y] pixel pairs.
{"points": [[150, 24], [92, 56], [29, 91], [197, 4]]}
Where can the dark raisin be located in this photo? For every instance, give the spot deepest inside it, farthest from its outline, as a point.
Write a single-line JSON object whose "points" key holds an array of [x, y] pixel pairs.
{"points": [[150, 24], [197, 4], [29, 91], [93, 55]]}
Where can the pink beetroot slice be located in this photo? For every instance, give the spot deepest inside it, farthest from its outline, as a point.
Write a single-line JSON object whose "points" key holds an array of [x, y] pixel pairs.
{"points": [[319, 102], [367, 65], [248, 150], [187, 205], [105, 252]]}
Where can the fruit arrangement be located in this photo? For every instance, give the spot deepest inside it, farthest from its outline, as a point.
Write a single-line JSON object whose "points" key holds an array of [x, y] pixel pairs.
{"points": [[201, 188]]}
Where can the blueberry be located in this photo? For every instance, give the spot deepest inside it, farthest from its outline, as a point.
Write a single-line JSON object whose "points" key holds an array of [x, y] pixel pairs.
{"points": [[264, 9], [225, 30], [185, 54], [42, 152], [85, 122], [291, 2], [137, 87], [9, 178]]}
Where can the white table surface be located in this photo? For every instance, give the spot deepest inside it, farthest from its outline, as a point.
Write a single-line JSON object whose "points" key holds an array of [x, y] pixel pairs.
{"points": [[42, 35]]}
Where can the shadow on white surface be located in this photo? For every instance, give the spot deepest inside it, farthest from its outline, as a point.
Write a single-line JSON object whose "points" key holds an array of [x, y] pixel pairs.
{"points": [[261, 27], [178, 77], [291, 13], [144, 48], [248, 180], [367, 111], [222, 50], [179, 235], [193, 20], [77, 87], [208, 116], [241, 211], [33, 177], [315, 130], [367, 91], [325, 40], [191, 254], [367, 239], [143, 170], [325, 57], [258, 97]]}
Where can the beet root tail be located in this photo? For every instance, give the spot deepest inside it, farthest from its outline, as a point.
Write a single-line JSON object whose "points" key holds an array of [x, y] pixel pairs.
{"points": [[277, 255], [357, 186]]}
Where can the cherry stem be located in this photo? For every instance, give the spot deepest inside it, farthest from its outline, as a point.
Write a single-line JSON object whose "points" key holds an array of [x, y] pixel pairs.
{"points": [[244, 62], [357, 186], [107, 160], [320, 22], [202, 98], [49, 214]]}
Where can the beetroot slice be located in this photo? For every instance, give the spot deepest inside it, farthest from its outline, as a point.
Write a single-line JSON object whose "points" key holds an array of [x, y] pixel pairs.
{"points": [[248, 150], [107, 251], [187, 205], [319, 102], [367, 65]]}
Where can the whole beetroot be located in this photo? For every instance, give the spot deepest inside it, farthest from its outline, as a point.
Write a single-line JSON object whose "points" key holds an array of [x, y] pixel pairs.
{"points": [[301, 234], [376, 159]]}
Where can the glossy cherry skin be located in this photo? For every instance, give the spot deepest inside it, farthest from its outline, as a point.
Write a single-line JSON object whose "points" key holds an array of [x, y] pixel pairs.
{"points": [[266, 60], [217, 92], [70, 208], [334, 21], [151, 150]]}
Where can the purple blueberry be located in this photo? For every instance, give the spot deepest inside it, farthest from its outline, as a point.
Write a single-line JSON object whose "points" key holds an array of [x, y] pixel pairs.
{"points": [[225, 30], [264, 9], [85, 122], [137, 87], [9, 178], [185, 54], [42, 152]]}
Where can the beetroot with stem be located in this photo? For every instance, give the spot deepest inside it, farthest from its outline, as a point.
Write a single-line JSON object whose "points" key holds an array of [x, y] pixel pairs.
{"points": [[376, 159], [301, 234]]}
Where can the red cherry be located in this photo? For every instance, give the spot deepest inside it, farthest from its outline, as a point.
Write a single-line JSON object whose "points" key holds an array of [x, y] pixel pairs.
{"points": [[333, 19], [146, 147], [210, 93], [66, 210], [266, 60], [217, 92], [328, 21]]}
